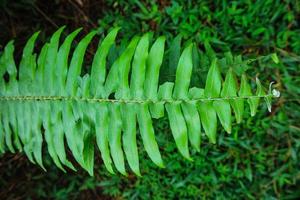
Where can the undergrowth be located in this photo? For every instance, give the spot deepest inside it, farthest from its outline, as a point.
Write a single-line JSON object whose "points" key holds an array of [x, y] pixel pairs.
{"points": [[259, 160]]}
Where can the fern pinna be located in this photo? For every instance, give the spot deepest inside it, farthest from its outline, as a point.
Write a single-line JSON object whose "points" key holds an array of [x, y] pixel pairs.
{"points": [[47, 99]]}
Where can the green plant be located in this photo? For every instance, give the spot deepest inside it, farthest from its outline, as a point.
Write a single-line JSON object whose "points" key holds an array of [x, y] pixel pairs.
{"points": [[49, 98], [235, 25]]}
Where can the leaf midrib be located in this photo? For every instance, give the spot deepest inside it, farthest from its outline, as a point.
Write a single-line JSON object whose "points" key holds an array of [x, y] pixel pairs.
{"points": [[137, 101]]}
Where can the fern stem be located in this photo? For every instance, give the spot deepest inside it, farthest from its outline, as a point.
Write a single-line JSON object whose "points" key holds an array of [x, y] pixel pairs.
{"points": [[94, 100]]}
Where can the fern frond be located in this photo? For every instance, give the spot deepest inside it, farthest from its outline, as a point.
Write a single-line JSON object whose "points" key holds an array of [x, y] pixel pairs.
{"points": [[50, 101]]}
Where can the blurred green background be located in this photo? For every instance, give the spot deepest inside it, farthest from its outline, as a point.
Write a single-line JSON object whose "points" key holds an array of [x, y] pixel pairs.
{"points": [[259, 160]]}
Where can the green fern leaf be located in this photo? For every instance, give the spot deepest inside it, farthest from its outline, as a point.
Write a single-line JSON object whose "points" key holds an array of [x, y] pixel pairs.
{"points": [[51, 101]]}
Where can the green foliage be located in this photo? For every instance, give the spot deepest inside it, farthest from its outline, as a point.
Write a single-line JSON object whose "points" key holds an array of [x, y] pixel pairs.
{"points": [[52, 100], [242, 165], [258, 160], [228, 25]]}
